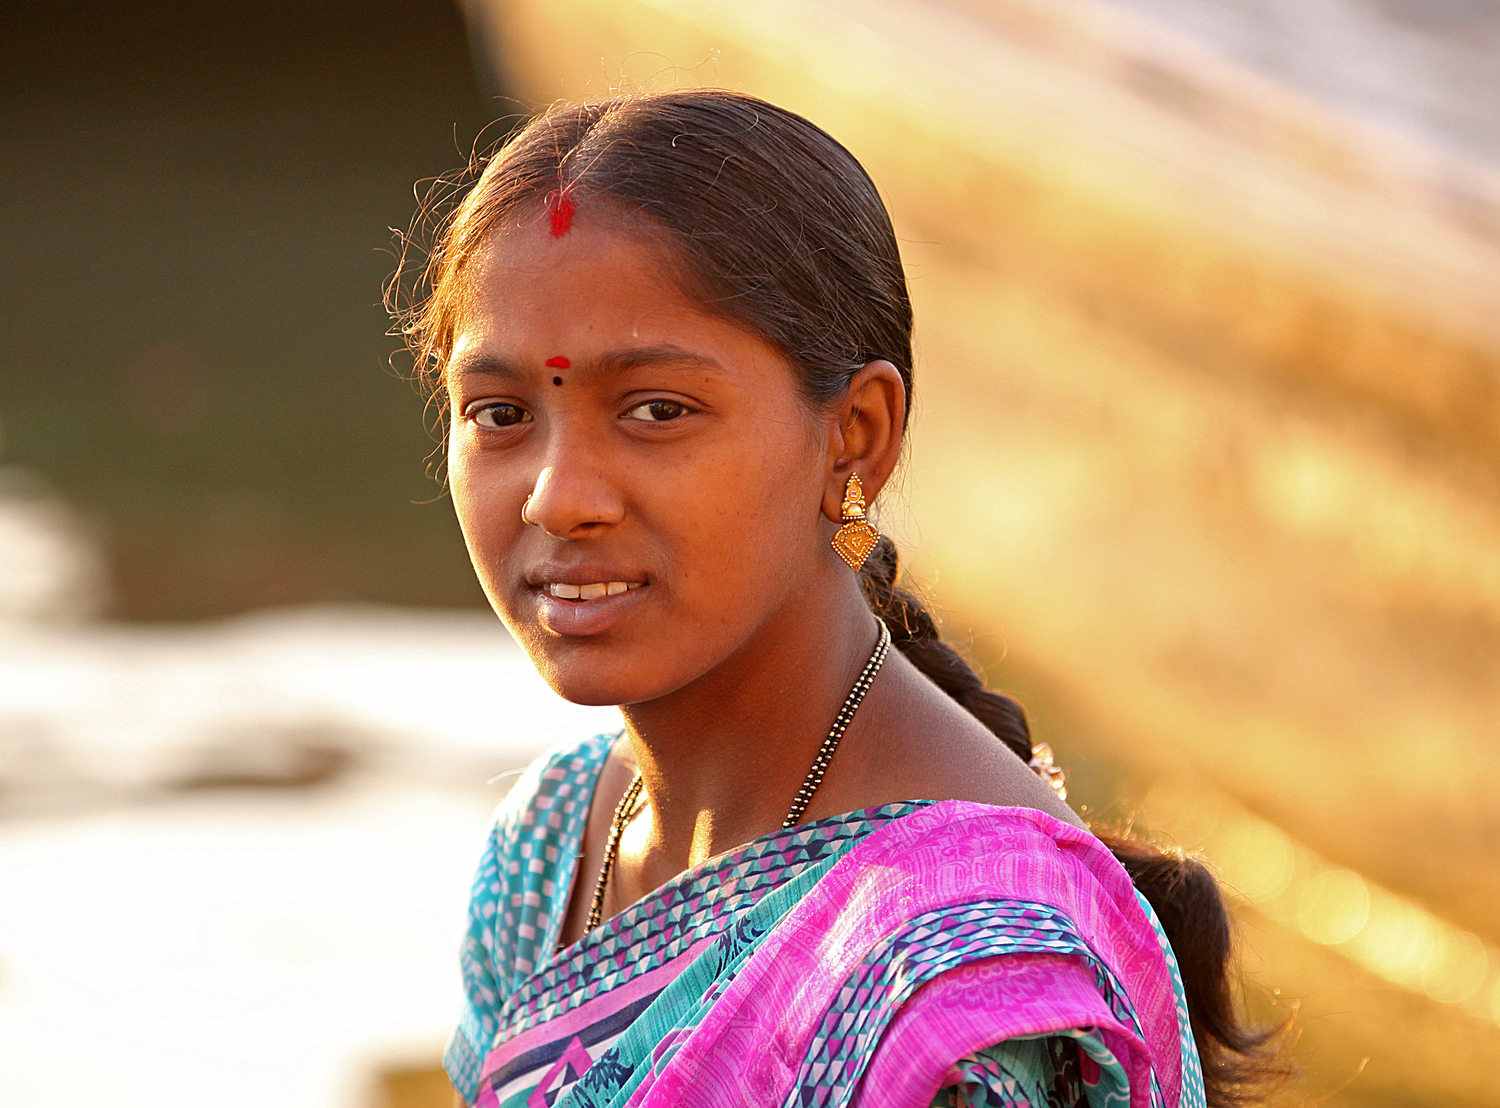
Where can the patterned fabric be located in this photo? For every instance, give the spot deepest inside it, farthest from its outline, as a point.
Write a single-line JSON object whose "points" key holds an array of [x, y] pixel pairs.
{"points": [[907, 955], [520, 892]]}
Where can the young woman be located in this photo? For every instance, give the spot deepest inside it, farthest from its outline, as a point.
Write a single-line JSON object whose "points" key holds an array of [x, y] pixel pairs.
{"points": [[673, 341]]}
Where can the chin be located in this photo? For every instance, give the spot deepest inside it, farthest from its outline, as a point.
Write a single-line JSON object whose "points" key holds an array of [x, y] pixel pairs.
{"points": [[591, 675]]}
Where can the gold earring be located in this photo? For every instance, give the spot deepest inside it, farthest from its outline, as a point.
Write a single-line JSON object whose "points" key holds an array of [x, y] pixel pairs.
{"points": [[856, 538]]}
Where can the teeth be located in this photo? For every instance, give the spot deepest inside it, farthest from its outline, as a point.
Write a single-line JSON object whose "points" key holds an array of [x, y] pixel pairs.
{"points": [[591, 592]]}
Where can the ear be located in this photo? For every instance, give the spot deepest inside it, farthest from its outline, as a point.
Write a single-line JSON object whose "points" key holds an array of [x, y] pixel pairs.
{"points": [[864, 436]]}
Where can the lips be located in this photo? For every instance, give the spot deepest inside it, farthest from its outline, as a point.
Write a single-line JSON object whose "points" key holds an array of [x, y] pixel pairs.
{"points": [[583, 602]]}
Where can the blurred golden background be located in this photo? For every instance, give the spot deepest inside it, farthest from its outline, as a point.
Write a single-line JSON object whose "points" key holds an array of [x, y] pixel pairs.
{"points": [[1204, 464]]}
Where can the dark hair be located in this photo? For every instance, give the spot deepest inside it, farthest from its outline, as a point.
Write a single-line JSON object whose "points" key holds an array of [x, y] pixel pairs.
{"points": [[774, 225]]}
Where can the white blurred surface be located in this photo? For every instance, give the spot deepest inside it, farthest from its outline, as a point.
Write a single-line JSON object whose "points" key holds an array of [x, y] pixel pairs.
{"points": [[241, 950], [427, 695]]}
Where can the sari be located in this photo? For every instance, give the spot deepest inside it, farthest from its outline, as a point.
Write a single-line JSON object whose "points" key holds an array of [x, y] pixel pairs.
{"points": [[918, 953]]}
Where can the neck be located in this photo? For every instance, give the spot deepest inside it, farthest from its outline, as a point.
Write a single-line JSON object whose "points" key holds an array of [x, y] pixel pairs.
{"points": [[722, 758]]}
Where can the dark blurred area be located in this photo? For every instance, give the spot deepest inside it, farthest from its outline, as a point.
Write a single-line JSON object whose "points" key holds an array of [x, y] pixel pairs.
{"points": [[199, 199]]}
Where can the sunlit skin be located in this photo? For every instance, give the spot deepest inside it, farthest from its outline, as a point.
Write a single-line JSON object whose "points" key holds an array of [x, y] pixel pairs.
{"points": [[675, 455]]}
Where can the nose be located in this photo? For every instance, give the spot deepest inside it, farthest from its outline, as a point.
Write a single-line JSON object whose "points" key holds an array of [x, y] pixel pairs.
{"points": [[573, 502]]}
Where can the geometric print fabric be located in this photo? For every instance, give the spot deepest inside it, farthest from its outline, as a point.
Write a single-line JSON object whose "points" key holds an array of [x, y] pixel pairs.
{"points": [[927, 946]]}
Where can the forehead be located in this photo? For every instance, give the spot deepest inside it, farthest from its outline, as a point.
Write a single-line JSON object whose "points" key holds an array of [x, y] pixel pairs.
{"points": [[605, 302], [526, 283]]}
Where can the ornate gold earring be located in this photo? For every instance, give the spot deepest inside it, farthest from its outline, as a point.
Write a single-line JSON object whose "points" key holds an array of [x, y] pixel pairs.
{"points": [[856, 538]]}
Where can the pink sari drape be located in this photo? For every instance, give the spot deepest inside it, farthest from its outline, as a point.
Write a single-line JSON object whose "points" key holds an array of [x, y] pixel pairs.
{"points": [[748, 1048]]}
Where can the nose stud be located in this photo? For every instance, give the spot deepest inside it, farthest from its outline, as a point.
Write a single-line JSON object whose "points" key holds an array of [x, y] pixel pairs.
{"points": [[524, 517]]}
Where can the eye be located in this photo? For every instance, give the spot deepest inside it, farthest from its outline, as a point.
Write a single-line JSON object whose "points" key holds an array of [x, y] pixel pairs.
{"points": [[658, 411], [499, 415]]}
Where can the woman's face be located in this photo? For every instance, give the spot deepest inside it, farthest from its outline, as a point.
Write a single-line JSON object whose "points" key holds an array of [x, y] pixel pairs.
{"points": [[675, 474]]}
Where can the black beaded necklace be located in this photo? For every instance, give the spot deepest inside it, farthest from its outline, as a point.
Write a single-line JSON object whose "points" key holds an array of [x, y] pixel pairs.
{"points": [[626, 808]]}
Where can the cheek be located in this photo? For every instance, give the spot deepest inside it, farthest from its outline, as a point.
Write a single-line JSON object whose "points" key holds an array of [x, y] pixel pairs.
{"points": [[750, 524], [484, 515], [461, 489]]}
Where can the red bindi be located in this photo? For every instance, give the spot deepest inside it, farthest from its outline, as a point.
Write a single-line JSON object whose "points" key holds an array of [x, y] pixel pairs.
{"points": [[558, 362], [563, 209]]}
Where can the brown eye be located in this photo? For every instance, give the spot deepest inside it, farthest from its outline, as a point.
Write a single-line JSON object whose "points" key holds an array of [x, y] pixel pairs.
{"points": [[500, 415], [658, 411]]}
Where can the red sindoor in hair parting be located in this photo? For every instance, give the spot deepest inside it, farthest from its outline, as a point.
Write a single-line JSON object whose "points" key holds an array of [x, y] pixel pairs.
{"points": [[561, 205]]}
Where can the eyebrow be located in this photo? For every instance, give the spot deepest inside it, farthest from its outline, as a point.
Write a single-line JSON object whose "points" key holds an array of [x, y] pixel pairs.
{"points": [[659, 356]]}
